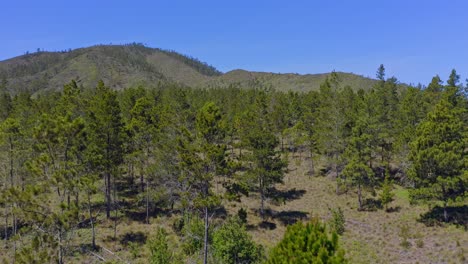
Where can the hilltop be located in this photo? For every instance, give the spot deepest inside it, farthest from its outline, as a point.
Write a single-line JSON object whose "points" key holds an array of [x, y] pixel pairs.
{"points": [[122, 66]]}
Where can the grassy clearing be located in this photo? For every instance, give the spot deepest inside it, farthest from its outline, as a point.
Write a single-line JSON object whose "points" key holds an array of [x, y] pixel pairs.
{"points": [[370, 236]]}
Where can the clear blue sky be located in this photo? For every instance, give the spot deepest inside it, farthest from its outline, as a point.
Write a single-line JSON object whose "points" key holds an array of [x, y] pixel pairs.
{"points": [[414, 39]]}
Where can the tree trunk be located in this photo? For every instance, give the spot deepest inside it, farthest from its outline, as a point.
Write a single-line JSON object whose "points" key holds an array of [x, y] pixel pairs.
{"points": [[312, 167], [147, 202], [262, 199], [205, 248], [445, 213], [6, 226], [12, 182], [60, 251], [359, 196], [108, 195], [335, 168], [91, 221], [142, 183]]}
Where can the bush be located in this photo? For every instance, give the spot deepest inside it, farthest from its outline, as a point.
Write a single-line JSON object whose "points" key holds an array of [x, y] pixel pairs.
{"points": [[338, 221], [386, 196], [232, 244], [194, 232], [178, 225], [159, 248], [310, 243]]}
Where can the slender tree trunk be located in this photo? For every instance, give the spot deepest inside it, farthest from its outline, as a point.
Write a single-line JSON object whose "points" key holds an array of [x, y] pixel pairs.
{"points": [[282, 143], [6, 226], [359, 196], [115, 208], [312, 163], [68, 198], [12, 182], [142, 183], [445, 212], [91, 220], [108, 195], [262, 199], [14, 234], [147, 202], [335, 168], [60, 251], [205, 248]]}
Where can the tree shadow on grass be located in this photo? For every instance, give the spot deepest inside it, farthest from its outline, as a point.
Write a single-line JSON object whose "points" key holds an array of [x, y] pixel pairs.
{"points": [[139, 213], [457, 215], [371, 205], [280, 196], [394, 209], [284, 217], [267, 225], [134, 237], [290, 217]]}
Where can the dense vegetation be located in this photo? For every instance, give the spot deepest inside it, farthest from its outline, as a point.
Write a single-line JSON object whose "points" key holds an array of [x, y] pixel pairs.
{"points": [[88, 157]]}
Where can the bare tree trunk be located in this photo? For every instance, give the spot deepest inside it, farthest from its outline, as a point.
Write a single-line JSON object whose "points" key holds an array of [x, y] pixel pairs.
{"points": [[142, 182], [335, 168], [147, 202], [205, 248], [445, 212], [115, 209], [108, 195], [11, 164], [6, 226], [359, 196], [60, 251], [262, 199], [91, 220]]}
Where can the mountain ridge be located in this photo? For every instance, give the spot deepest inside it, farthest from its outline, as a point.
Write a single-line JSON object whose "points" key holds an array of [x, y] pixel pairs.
{"points": [[122, 66]]}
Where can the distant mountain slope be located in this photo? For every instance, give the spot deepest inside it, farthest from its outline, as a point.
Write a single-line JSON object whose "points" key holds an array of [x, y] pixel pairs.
{"points": [[289, 81], [121, 66]]}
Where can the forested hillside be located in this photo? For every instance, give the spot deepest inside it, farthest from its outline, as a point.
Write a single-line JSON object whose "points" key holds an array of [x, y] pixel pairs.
{"points": [[165, 173], [131, 65]]}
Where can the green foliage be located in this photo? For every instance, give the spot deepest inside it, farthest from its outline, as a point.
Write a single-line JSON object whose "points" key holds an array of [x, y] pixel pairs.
{"points": [[338, 221], [438, 155], [159, 248], [386, 196], [192, 240], [232, 244], [309, 243]]}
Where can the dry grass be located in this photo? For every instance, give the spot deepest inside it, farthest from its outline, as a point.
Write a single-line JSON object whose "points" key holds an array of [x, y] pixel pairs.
{"points": [[370, 236]]}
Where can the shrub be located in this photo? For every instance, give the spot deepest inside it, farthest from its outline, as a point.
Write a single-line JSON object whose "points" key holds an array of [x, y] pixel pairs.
{"points": [[386, 196], [232, 244], [159, 248], [193, 232], [338, 221], [310, 243]]}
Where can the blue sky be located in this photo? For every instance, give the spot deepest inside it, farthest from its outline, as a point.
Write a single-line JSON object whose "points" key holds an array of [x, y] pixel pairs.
{"points": [[414, 39]]}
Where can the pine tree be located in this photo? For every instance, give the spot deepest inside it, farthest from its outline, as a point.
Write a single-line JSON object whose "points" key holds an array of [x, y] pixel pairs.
{"points": [[310, 243], [357, 171], [266, 165], [438, 154], [331, 123], [105, 144], [386, 196]]}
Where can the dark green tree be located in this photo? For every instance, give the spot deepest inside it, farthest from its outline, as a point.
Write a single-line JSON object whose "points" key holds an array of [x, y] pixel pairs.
{"points": [[232, 244], [438, 155], [309, 243], [105, 144]]}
